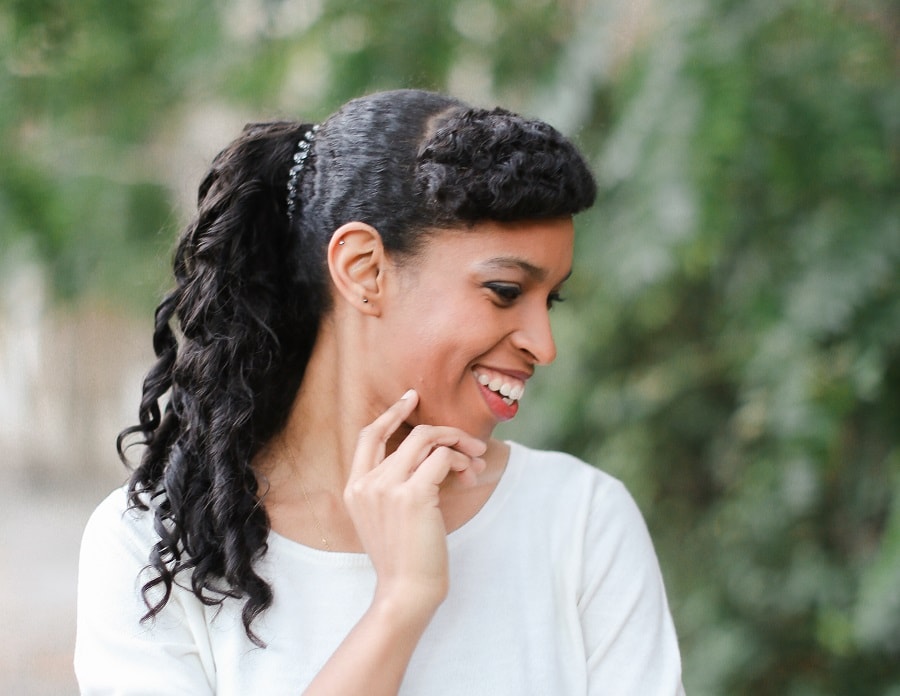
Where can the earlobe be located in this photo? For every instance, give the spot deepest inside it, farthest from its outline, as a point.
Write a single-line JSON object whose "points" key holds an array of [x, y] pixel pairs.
{"points": [[355, 262]]}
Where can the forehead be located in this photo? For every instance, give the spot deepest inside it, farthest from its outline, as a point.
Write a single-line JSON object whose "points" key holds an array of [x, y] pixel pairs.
{"points": [[539, 248]]}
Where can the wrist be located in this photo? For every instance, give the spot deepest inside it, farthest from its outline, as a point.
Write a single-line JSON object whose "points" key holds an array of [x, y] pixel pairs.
{"points": [[408, 604]]}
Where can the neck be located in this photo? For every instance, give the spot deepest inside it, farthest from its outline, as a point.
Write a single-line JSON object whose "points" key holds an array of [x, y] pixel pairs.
{"points": [[335, 401]]}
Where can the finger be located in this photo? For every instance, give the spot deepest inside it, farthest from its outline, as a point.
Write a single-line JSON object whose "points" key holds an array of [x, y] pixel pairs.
{"points": [[423, 440], [441, 462], [428, 437], [468, 470], [373, 438]]}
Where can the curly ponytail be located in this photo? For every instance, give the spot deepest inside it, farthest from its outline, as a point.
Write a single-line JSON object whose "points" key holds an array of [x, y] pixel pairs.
{"points": [[233, 338], [231, 342]]}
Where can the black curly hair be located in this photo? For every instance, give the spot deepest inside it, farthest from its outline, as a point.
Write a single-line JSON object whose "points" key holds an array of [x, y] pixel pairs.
{"points": [[233, 337]]}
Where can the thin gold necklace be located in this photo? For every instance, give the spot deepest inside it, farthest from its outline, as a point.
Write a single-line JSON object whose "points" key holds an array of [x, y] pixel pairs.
{"points": [[312, 511]]}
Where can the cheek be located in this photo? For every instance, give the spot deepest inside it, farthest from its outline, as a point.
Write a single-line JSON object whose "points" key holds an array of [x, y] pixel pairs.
{"points": [[437, 324], [435, 335], [436, 355]]}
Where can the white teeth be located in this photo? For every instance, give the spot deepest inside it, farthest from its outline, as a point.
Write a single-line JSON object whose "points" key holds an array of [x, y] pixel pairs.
{"points": [[508, 401], [510, 392]]}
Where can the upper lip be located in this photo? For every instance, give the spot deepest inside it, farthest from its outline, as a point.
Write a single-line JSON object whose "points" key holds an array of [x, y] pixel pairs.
{"points": [[515, 374]]}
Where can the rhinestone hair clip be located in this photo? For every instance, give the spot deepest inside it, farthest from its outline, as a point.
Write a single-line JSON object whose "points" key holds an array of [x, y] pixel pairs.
{"points": [[303, 147]]}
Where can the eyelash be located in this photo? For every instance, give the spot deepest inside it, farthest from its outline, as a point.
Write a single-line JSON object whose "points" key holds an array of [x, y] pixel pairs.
{"points": [[553, 299], [508, 293]]}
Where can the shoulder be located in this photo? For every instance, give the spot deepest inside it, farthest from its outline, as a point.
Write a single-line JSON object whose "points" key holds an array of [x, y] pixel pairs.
{"points": [[566, 478], [593, 510], [602, 546], [116, 651], [116, 531], [115, 510]]}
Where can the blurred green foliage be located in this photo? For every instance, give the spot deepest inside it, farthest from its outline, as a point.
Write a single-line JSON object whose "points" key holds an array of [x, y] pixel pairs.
{"points": [[731, 348], [739, 364]]}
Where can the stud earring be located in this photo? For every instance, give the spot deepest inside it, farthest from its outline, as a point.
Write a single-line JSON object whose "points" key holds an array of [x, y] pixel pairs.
{"points": [[365, 300], [341, 242]]}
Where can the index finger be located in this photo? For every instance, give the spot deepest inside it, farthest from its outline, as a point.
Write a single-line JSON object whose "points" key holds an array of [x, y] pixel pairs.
{"points": [[373, 438]]}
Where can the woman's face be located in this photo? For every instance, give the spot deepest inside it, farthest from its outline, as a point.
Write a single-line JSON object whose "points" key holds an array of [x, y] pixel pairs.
{"points": [[468, 320]]}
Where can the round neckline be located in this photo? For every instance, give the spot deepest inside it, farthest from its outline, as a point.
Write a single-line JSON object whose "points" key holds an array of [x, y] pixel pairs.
{"points": [[358, 559]]}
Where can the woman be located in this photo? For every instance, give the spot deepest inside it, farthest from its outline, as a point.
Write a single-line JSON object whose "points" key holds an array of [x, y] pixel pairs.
{"points": [[321, 505]]}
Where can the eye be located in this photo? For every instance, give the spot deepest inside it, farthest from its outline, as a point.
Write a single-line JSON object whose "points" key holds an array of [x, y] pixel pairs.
{"points": [[506, 293], [553, 298]]}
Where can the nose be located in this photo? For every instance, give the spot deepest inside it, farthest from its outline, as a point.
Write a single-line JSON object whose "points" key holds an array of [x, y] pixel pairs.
{"points": [[534, 337]]}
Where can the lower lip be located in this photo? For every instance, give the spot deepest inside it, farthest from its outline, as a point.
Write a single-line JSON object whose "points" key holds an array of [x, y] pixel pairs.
{"points": [[501, 410]]}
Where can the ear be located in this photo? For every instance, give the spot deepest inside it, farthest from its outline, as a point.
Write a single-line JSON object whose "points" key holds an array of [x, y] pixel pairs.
{"points": [[356, 262]]}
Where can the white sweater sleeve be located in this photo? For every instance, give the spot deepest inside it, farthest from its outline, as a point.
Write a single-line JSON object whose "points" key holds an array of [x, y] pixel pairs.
{"points": [[629, 635], [114, 652]]}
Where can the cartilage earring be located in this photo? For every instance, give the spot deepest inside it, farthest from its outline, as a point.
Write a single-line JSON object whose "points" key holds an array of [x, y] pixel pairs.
{"points": [[341, 242]]}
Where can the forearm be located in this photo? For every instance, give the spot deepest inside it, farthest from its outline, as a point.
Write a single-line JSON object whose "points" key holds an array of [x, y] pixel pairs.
{"points": [[374, 656]]}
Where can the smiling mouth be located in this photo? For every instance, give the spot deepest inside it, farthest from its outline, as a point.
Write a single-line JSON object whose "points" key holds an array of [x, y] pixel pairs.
{"points": [[509, 388]]}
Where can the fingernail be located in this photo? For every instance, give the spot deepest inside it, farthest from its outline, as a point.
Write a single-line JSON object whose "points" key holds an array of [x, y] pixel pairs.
{"points": [[408, 394]]}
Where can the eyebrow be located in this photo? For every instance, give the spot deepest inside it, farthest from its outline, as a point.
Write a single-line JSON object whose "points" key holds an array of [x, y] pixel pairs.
{"points": [[535, 273]]}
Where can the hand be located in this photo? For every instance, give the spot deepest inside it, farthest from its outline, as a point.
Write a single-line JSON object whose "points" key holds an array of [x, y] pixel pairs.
{"points": [[394, 502]]}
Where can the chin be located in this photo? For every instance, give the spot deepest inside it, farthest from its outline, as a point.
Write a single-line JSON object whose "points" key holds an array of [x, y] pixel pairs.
{"points": [[476, 428]]}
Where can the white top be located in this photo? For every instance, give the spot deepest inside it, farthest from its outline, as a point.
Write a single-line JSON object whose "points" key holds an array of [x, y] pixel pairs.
{"points": [[554, 589]]}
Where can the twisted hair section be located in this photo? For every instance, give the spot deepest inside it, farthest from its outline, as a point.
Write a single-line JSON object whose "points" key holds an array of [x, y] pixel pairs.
{"points": [[495, 165], [233, 337]]}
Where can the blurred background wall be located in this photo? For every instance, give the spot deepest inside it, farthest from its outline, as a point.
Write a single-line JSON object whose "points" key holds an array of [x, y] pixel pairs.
{"points": [[731, 343]]}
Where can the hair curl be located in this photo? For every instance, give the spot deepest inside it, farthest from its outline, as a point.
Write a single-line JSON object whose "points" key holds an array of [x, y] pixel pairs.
{"points": [[233, 337]]}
